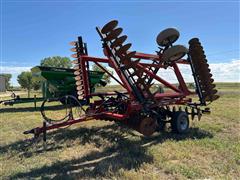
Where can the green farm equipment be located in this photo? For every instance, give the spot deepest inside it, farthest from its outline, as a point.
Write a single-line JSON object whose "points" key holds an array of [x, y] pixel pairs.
{"points": [[57, 82]]}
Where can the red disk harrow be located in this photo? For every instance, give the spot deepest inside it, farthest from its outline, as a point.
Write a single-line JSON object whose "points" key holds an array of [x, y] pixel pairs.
{"points": [[139, 106]]}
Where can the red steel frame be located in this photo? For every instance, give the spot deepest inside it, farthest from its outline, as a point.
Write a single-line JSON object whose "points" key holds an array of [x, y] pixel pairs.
{"points": [[176, 97], [181, 91]]}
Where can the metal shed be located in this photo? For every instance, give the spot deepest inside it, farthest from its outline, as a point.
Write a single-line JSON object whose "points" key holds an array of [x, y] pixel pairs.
{"points": [[2, 84]]}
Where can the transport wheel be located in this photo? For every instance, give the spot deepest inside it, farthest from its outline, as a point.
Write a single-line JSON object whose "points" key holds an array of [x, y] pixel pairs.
{"points": [[180, 122], [147, 126], [174, 53], [167, 37]]}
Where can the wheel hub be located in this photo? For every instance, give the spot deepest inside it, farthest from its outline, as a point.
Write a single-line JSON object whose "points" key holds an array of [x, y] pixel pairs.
{"points": [[183, 124]]}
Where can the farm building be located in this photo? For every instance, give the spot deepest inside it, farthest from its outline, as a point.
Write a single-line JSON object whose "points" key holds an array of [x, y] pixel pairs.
{"points": [[2, 84]]}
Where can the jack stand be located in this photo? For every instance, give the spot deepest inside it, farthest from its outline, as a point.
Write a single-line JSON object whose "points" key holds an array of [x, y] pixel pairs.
{"points": [[44, 135]]}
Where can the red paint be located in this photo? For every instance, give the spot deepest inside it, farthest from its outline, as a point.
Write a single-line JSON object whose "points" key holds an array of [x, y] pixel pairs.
{"points": [[167, 98]]}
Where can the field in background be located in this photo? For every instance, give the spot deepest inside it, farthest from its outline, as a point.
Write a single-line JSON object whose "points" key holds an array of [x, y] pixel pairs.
{"points": [[101, 149]]}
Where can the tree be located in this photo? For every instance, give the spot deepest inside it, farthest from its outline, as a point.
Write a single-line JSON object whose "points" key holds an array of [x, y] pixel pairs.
{"points": [[36, 84], [25, 79], [191, 85], [56, 61], [106, 77], [7, 78]]}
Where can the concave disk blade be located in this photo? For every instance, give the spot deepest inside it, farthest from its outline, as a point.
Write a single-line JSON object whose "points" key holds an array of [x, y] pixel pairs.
{"points": [[109, 26], [119, 41], [123, 49], [73, 43], [113, 34]]}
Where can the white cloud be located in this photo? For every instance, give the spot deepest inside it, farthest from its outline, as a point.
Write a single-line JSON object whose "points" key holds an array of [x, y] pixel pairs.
{"points": [[222, 72], [226, 72], [13, 69]]}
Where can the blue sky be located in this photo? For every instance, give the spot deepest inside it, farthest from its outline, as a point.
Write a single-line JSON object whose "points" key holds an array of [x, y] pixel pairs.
{"points": [[33, 30]]}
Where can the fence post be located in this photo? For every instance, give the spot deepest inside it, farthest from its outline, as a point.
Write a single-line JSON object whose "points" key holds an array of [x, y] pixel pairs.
{"points": [[35, 102]]}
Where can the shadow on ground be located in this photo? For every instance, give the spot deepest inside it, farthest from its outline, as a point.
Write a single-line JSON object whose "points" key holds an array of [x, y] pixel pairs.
{"points": [[121, 149], [19, 109], [30, 109]]}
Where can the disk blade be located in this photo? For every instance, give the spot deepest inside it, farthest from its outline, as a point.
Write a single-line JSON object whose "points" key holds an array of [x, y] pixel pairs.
{"points": [[113, 34], [123, 50], [109, 26], [119, 41]]}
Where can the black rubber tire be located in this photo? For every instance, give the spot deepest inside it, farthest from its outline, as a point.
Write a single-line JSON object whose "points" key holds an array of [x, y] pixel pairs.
{"points": [[180, 122]]}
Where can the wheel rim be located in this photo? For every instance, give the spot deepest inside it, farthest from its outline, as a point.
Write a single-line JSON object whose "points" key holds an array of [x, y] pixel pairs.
{"points": [[183, 124]]}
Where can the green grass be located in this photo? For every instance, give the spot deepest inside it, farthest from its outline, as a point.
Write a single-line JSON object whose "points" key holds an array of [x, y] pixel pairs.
{"points": [[102, 149]]}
